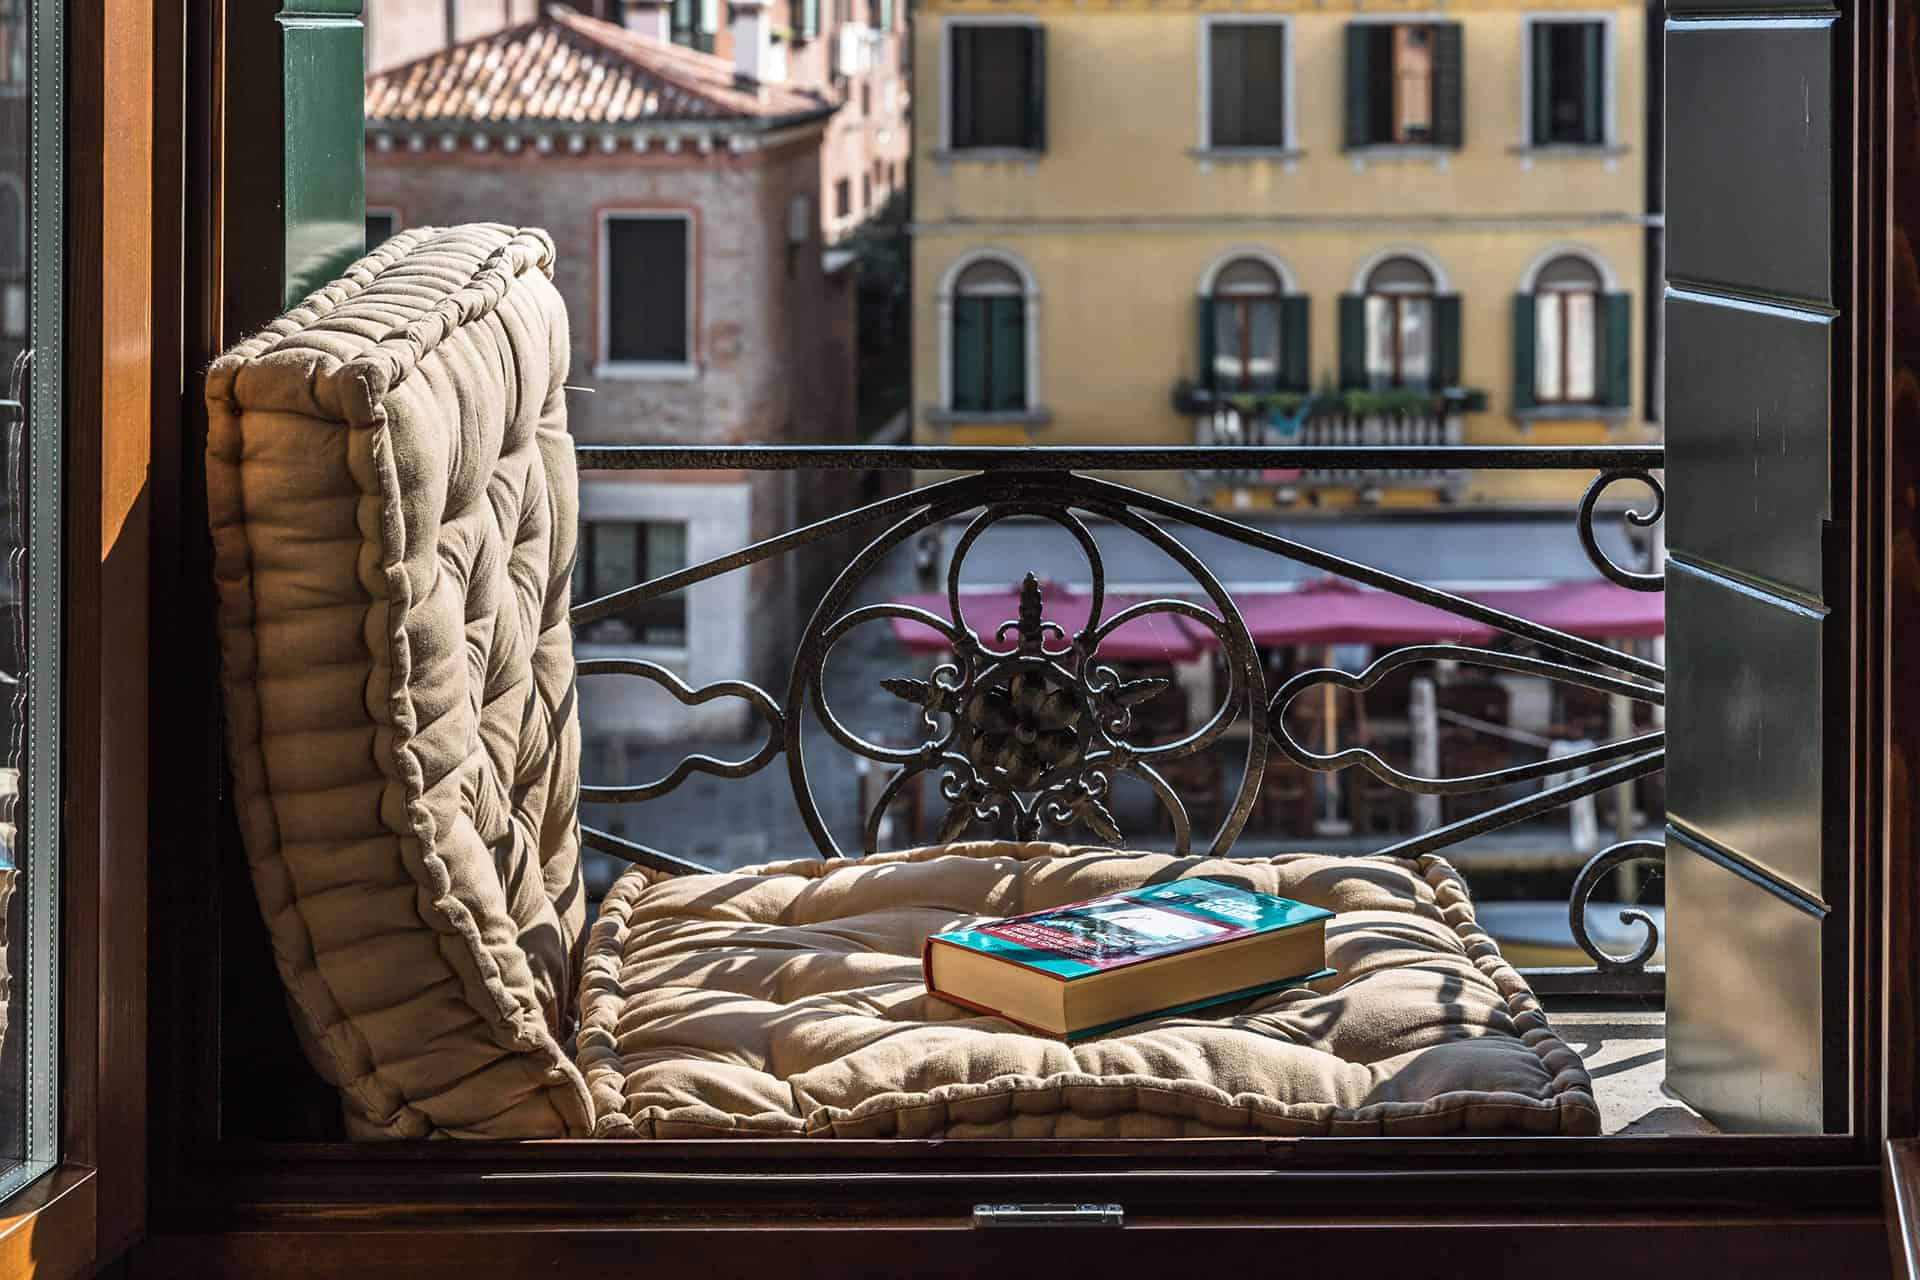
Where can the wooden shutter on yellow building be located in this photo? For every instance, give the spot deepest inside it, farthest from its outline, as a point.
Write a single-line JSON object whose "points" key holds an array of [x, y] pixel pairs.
{"points": [[1446, 340], [1524, 339], [1205, 346], [1036, 89], [1359, 88], [1294, 347], [1449, 119], [959, 82], [1353, 341], [1616, 349]]}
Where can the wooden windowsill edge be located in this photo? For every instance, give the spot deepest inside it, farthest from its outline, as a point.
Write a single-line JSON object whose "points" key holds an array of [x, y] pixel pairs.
{"points": [[1903, 1206], [48, 1230]]}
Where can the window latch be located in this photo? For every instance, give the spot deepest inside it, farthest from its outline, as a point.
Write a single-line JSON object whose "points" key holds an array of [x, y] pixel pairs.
{"points": [[1048, 1215]]}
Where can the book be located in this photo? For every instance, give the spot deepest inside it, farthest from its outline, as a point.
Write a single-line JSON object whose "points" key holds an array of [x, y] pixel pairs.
{"points": [[1088, 968]]}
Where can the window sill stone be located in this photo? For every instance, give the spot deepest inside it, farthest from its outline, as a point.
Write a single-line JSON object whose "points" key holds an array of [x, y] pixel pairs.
{"points": [[1612, 415], [981, 418]]}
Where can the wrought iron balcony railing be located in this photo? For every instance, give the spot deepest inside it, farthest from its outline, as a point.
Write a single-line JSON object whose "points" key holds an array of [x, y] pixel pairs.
{"points": [[1027, 725]]}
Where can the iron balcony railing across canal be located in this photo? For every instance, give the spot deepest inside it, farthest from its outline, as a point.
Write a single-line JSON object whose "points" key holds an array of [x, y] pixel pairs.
{"points": [[993, 717]]}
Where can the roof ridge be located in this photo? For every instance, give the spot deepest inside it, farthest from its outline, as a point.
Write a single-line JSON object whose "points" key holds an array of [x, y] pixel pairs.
{"points": [[650, 54]]}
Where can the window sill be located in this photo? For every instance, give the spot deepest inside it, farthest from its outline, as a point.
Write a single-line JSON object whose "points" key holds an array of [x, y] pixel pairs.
{"points": [[1399, 153], [1287, 156], [988, 155], [1611, 414], [981, 417], [1568, 150], [645, 371]]}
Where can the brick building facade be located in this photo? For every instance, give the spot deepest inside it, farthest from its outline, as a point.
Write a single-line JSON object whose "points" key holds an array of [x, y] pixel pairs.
{"points": [[681, 203]]}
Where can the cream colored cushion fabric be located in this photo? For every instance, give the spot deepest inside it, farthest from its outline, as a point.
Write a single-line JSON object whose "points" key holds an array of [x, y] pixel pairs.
{"points": [[393, 502], [788, 1000]]}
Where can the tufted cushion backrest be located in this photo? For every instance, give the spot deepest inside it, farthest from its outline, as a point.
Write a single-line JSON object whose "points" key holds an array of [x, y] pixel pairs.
{"points": [[391, 489]]}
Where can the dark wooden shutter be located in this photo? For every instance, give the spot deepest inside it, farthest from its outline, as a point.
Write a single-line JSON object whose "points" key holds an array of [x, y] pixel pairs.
{"points": [[959, 84], [1449, 117], [1353, 341], [970, 353], [1540, 83], [647, 290], [1523, 349], [1036, 88], [1227, 89], [1593, 58], [1007, 377], [1294, 347], [1446, 340], [1204, 332], [1759, 872], [1616, 349], [1360, 82]]}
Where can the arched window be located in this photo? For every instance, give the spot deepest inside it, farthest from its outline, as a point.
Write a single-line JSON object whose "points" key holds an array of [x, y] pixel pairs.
{"points": [[989, 355], [1246, 326], [1566, 332], [1400, 324]]}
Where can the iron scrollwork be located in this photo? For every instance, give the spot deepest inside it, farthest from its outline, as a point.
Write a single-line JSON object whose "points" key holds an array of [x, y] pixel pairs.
{"points": [[1628, 578], [1589, 879]]}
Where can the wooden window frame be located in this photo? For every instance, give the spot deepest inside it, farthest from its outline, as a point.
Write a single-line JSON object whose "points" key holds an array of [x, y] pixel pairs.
{"points": [[1397, 376], [1563, 397], [950, 145], [1609, 89], [667, 611], [224, 1203]]}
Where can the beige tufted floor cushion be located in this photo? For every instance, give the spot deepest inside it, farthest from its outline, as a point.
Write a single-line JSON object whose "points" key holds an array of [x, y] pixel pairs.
{"points": [[788, 1000], [391, 489]]}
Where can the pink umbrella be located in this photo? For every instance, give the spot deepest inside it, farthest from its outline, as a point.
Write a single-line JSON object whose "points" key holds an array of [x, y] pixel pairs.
{"points": [[1330, 611], [1153, 637], [1594, 609]]}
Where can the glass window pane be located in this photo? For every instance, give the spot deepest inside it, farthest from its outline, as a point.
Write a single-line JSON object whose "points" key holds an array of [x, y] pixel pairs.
{"points": [[1581, 346], [1546, 347], [1416, 341], [999, 87], [1380, 321], [666, 547], [1263, 345], [1228, 338], [616, 562]]}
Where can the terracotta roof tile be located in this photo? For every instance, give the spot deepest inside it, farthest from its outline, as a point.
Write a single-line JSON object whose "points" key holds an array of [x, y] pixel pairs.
{"points": [[565, 68]]}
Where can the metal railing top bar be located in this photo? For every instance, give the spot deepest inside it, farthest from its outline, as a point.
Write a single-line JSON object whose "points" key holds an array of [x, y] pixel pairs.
{"points": [[756, 457]]}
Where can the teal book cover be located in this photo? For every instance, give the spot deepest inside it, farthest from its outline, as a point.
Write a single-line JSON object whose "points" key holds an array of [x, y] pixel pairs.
{"points": [[1136, 927]]}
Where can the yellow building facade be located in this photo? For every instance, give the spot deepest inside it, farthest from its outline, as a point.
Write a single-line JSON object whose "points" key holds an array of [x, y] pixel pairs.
{"points": [[1096, 180]]}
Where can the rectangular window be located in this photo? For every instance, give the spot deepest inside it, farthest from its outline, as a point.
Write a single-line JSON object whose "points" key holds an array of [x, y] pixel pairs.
{"points": [[843, 198], [1399, 340], [622, 553], [1566, 342], [647, 289], [1404, 84], [996, 78], [1568, 83], [866, 192], [1246, 78], [866, 98], [381, 224]]}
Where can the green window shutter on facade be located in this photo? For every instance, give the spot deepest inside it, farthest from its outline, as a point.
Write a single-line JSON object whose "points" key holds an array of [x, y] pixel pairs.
{"points": [[885, 15], [1205, 346], [1294, 347], [970, 353], [1524, 338], [1616, 349], [810, 19], [1359, 130], [1446, 341], [1449, 89], [1353, 341], [1007, 354], [1540, 37], [959, 84], [1037, 89]]}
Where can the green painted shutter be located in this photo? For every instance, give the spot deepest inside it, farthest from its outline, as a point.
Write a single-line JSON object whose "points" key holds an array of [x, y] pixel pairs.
{"points": [[969, 353], [810, 19], [1353, 341], [1540, 39], [886, 15], [1593, 40], [1449, 119], [960, 84], [1446, 341], [1036, 88], [1008, 376], [1523, 349], [1616, 349], [1359, 83], [1294, 347], [1205, 346]]}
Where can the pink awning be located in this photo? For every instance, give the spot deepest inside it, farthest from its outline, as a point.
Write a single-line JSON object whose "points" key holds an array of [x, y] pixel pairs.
{"points": [[1594, 609], [1154, 637], [1333, 611]]}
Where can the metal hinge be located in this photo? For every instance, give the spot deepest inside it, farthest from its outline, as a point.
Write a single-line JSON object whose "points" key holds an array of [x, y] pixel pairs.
{"points": [[1048, 1215]]}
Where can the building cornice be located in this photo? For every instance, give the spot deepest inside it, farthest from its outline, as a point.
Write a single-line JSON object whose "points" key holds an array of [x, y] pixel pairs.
{"points": [[1373, 10], [1375, 222], [688, 138]]}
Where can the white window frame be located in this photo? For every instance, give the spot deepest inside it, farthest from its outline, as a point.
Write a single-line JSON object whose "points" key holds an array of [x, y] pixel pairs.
{"points": [[1529, 285], [655, 370], [947, 24], [1609, 109], [1290, 144], [1030, 291], [1375, 152]]}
